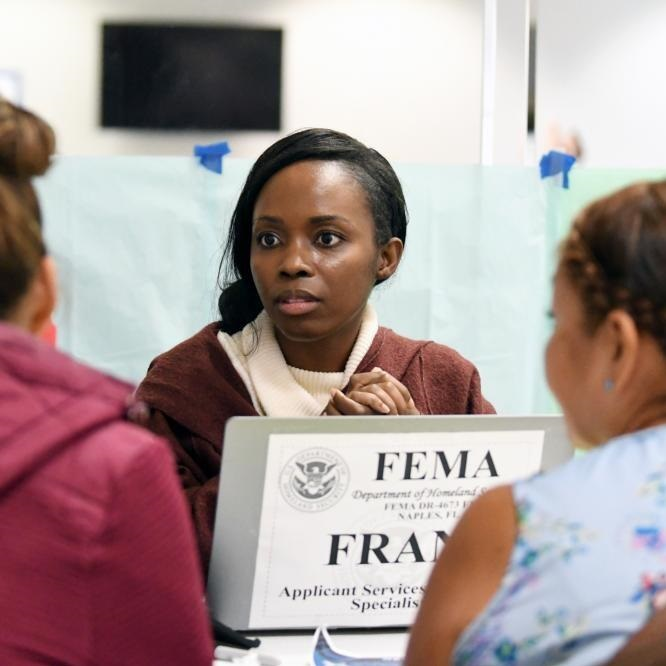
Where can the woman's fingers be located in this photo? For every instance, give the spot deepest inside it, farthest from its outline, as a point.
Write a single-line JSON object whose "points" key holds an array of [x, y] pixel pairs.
{"points": [[361, 403], [347, 406], [396, 396], [331, 409], [375, 397], [404, 403], [374, 392], [399, 394], [365, 379], [404, 391]]}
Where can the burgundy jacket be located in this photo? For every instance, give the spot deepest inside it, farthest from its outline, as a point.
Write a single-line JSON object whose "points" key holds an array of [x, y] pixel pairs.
{"points": [[98, 563], [193, 390]]}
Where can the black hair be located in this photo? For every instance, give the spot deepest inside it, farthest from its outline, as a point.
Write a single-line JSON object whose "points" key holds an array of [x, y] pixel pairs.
{"points": [[239, 302]]}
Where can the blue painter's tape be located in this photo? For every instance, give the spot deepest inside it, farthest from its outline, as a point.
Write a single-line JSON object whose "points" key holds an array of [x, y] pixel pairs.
{"points": [[211, 155], [555, 162]]}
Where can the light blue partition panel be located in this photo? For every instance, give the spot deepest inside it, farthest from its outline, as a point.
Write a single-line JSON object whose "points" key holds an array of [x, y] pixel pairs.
{"points": [[474, 274], [138, 242]]}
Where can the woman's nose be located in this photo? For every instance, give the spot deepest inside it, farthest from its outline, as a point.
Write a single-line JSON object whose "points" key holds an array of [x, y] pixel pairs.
{"points": [[296, 261]]}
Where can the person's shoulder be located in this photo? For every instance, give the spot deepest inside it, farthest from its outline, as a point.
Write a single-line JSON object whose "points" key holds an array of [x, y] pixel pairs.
{"points": [[440, 379], [431, 352], [196, 385], [81, 483], [493, 505], [436, 363], [587, 473], [486, 527], [97, 464], [119, 446], [437, 354], [200, 347], [196, 362], [466, 576]]}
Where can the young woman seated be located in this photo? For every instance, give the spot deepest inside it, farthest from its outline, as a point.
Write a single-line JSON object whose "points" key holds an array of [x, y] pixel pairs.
{"points": [[570, 567], [98, 561], [321, 221]]}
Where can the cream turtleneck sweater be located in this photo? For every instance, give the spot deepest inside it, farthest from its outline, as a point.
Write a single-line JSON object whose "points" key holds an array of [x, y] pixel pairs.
{"points": [[278, 389]]}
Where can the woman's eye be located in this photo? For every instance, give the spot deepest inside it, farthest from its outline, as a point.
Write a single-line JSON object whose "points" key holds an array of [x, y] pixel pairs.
{"points": [[328, 239], [268, 239]]}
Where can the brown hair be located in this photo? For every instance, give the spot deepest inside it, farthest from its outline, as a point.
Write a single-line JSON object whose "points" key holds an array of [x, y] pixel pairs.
{"points": [[615, 256], [26, 146]]}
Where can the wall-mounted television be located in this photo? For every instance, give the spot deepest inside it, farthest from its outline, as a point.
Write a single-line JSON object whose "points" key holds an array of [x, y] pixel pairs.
{"points": [[199, 77]]}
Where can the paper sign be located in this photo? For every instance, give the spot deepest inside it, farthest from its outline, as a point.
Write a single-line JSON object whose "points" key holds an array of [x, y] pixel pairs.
{"points": [[352, 524]]}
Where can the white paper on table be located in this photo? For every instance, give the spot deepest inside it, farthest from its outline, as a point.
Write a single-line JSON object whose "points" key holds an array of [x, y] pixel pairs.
{"points": [[324, 654]]}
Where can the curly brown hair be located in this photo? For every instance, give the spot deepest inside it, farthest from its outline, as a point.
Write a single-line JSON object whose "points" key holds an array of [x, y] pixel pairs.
{"points": [[615, 257], [26, 146]]}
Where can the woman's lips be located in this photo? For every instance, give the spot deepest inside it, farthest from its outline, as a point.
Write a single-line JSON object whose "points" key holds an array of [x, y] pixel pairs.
{"points": [[297, 305]]}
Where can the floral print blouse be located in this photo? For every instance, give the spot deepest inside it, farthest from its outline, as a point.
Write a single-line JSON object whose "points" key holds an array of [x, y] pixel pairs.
{"points": [[588, 567]]}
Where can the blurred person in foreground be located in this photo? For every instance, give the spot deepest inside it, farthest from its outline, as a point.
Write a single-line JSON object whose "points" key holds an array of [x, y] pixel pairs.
{"points": [[569, 567], [98, 561]]}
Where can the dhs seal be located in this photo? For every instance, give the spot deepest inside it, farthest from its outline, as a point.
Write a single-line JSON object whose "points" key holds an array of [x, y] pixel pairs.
{"points": [[314, 479]]}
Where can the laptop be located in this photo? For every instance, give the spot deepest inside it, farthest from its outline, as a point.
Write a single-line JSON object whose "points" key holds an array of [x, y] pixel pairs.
{"points": [[338, 520]]}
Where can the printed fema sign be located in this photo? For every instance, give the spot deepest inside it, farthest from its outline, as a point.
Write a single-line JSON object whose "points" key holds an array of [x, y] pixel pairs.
{"points": [[352, 523]]}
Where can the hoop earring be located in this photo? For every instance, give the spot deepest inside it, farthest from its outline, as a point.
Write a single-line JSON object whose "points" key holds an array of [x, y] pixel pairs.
{"points": [[609, 385]]}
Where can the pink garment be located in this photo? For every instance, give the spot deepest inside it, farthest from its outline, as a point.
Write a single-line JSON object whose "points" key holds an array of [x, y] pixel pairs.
{"points": [[97, 557]]}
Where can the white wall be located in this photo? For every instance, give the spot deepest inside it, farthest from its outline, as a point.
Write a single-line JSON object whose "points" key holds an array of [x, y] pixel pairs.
{"points": [[402, 75], [600, 72]]}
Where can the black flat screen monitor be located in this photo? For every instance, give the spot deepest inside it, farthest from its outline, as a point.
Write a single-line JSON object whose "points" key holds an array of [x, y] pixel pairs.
{"points": [[163, 76]]}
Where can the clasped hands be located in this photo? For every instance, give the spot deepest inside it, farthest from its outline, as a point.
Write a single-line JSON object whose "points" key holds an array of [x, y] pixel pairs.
{"points": [[375, 392]]}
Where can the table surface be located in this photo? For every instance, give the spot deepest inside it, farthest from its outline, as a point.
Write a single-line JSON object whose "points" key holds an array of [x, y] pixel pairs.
{"points": [[296, 649]]}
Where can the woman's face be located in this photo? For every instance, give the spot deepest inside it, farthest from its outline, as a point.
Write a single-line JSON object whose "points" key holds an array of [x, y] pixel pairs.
{"points": [[314, 257], [575, 367]]}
